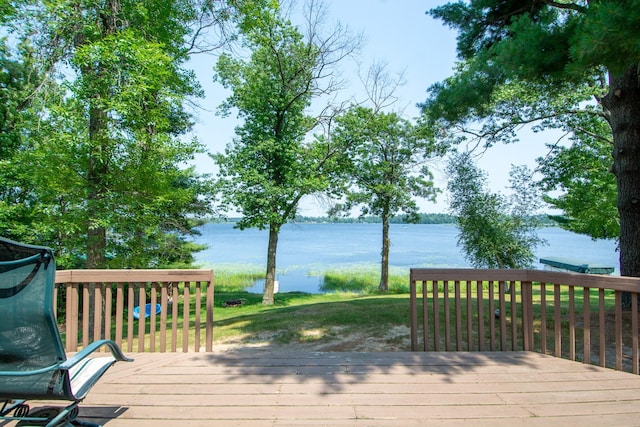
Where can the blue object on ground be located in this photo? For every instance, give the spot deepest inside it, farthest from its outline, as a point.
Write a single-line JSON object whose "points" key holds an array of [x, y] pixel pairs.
{"points": [[147, 310]]}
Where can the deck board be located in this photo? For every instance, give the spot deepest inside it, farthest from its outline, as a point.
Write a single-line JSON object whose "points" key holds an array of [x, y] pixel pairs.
{"points": [[273, 388]]}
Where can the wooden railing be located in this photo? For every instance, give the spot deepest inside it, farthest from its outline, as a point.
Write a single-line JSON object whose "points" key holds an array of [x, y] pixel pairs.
{"points": [[569, 315], [183, 296]]}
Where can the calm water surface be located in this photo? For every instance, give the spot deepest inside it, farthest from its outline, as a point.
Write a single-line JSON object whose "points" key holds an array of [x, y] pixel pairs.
{"points": [[307, 250]]}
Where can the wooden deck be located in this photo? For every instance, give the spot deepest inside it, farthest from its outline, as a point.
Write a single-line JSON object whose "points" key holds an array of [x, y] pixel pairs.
{"points": [[269, 388]]}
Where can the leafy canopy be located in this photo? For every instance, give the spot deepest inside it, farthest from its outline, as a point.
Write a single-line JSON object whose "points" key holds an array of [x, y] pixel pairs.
{"points": [[388, 162], [495, 232], [112, 124], [543, 65], [273, 162]]}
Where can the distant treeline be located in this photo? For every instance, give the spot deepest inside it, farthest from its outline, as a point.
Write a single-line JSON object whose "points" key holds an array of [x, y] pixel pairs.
{"points": [[423, 218]]}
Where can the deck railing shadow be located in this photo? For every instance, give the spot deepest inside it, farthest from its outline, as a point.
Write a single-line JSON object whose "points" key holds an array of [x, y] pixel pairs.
{"points": [[574, 316], [102, 304]]}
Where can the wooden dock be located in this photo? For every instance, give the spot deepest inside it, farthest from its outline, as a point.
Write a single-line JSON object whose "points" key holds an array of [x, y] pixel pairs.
{"points": [[273, 388]]}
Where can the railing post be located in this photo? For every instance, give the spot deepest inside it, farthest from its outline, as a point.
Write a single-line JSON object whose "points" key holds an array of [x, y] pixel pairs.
{"points": [[480, 304], [634, 333], [108, 308], [198, 306], [425, 315], [557, 320], [503, 315], [119, 311], [602, 327], [72, 317], [618, 329], [185, 316], [164, 303], [210, 300], [142, 302], [526, 289], [586, 321], [413, 310], [572, 324]]}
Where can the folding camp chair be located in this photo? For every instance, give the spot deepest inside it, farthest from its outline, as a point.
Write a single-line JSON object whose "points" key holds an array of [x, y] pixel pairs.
{"points": [[33, 363]]}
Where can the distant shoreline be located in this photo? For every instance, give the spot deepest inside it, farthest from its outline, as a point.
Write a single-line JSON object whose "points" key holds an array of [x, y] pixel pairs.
{"points": [[422, 218]]}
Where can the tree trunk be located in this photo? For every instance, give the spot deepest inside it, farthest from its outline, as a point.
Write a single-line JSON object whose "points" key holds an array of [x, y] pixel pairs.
{"points": [[384, 269], [623, 104], [269, 283], [96, 233], [98, 163], [108, 18]]}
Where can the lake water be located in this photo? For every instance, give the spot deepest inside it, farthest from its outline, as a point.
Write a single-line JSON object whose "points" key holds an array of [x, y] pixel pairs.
{"points": [[305, 250]]}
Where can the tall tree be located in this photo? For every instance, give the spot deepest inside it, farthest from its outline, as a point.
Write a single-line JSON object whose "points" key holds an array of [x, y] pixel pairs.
{"points": [[113, 124], [555, 48], [273, 163], [495, 232], [388, 169]]}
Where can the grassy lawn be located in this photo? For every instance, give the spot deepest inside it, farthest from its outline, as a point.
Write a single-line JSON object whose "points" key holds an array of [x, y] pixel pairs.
{"points": [[298, 318], [351, 310]]}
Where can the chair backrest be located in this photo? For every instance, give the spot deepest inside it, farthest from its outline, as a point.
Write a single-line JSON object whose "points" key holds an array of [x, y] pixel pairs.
{"points": [[29, 337]]}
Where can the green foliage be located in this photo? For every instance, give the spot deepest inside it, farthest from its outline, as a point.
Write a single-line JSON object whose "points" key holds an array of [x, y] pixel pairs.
{"points": [[388, 157], [494, 232], [386, 170], [544, 65], [273, 163], [97, 172], [608, 34], [270, 166], [581, 171]]}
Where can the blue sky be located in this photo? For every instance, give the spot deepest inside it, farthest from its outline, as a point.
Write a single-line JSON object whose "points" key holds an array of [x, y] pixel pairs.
{"points": [[401, 34]]}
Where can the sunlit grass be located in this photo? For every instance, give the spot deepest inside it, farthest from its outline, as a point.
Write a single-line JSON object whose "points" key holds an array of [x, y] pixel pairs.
{"points": [[234, 278], [299, 317], [365, 280]]}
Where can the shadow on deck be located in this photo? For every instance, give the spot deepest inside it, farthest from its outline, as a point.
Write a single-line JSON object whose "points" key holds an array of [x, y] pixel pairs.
{"points": [[253, 387]]}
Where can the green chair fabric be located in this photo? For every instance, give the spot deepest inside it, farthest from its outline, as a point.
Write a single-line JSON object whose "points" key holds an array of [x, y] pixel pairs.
{"points": [[33, 363]]}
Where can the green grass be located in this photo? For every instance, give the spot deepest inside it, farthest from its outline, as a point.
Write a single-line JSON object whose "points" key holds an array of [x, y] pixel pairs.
{"points": [[364, 280], [236, 278], [300, 317], [303, 318]]}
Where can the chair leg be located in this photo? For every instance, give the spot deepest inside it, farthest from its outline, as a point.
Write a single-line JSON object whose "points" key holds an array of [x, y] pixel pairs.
{"points": [[47, 416], [50, 416], [63, 418], [18, 407]]}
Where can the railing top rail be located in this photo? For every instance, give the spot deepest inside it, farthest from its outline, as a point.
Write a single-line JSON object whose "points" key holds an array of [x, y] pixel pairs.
{"points": [[128, 276], [619, 283]]}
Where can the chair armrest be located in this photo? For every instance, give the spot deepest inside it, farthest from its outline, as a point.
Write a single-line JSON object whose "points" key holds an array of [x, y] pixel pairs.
{"points": [[82, 354]]}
